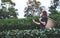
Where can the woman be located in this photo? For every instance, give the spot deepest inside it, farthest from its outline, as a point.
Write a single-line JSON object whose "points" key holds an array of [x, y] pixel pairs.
{"points": [[43, 20]]}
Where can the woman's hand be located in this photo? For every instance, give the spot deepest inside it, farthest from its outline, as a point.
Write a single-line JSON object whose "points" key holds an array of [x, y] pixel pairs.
{"points": [[33, 20], [36, 22]]}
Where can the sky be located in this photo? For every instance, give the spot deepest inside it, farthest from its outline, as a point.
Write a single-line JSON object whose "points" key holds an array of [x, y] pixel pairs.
{"points": [[21, 4]]}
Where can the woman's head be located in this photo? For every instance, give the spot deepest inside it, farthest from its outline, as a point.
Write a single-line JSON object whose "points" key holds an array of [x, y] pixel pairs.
{"points": [[44, 13]]}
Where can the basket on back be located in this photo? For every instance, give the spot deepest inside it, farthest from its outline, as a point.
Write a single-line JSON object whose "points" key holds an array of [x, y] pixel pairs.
{"points": [[50, 23]]}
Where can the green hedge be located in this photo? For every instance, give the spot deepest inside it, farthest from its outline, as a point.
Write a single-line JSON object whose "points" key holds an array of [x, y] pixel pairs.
{"points": [[26, 23], [54, 33], [9, 24]]}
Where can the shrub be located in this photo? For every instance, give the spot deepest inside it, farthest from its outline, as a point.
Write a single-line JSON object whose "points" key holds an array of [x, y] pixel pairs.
{"points": [[54, 33], [9, 24]]}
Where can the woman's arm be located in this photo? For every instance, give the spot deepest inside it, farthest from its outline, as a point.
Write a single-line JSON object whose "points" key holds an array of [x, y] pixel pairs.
{"points": [[44, 23], [36, 22]]}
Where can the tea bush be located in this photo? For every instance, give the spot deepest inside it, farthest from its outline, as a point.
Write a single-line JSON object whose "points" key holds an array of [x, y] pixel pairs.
{"points": [[54, 33], [9, 24]]}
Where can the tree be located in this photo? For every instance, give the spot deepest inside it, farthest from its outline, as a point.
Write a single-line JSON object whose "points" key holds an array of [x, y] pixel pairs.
{"points": [[53, 7], [33, 8], [8, 10]]}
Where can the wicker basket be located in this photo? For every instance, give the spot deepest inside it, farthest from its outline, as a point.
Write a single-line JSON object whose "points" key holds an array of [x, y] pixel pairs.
{"points": [[50, 23]]}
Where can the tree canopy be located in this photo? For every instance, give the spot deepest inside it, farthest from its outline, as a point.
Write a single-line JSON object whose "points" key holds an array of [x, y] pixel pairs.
{"points": [[7, 10]]}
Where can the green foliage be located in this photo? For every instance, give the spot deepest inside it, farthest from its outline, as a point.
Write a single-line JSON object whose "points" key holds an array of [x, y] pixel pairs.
{"points": [[53, 7], [30, 33], [12, 3], [8, 11], [53, 10], [9, 24], [12, 12], [6, 0]]}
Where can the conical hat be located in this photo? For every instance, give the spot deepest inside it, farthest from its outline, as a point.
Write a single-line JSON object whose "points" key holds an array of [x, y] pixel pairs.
{"points": [[50, 23]]}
